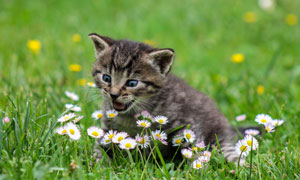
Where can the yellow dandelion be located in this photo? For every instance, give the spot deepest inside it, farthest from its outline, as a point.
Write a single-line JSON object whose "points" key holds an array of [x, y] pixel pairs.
{"points": [[237, 58], [81, 82], [260, 89], [150, 42], [250, 17], [76, 38], [291, 19], [75, 67], [34, 46]]}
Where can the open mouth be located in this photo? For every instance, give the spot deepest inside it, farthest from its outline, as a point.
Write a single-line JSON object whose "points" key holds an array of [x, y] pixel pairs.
{"points": [[121, 106]]}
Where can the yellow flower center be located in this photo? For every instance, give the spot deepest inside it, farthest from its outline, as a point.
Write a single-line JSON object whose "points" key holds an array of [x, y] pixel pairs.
{"points": [[90, 83], [249, 142], [64, 131], [142, 141], [158, 135], [194, 148], [178, 141], [268, 129], [128, 145], [276, 123], [188, 136], [198, 165], [120, 138], [95, 133], [66, 117], [107, 140], [72, 131], [263, 120], [243, 148], [143, 124], [99, 115], [110, 136], [161, 121], [111, 115]]}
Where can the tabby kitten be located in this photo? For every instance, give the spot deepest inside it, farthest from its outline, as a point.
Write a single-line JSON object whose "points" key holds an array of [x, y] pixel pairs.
{"points": [[134, 76]]}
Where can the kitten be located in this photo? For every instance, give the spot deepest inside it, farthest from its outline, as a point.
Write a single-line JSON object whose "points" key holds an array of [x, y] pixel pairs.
{"points": [[134, 76]]}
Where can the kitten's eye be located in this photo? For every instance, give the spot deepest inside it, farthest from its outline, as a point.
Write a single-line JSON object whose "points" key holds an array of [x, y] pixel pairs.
{"points": [[106, 78], [131, 83]]}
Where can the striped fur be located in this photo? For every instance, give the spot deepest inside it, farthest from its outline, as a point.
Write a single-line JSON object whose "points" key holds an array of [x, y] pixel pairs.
{"points": [[159, 92]]}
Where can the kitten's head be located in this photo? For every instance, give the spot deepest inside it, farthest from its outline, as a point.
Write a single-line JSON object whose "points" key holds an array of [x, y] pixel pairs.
{"points": [[129, 73]]}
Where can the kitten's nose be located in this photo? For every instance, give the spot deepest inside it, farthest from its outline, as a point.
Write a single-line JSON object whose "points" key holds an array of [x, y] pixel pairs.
{"points": [[114, 96]]}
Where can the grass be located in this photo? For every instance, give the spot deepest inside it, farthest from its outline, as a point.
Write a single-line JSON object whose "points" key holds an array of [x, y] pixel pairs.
{"points": [[204, 35]]}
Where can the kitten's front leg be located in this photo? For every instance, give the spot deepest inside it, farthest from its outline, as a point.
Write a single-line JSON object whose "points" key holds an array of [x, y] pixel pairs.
{"points": [[101, 152]]}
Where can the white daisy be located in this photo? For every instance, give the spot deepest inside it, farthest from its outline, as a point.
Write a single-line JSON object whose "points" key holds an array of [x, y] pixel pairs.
{"points": [[187, 153], [177, 140], [111, 113], [95, 132], [143, 115], [91, 84], [143, 141], [252, 132], [66, 117], [61, 130], [266, 4], [197, 164], [73, 131], [241, 147], [105, 141], [201, 145], [127, 143], [109, 136], [241, 117], [189, 135], [263, 118], [207, 154], [72, 95], [250, 140], [119, 137], [97, 114], [6, 120], [143, 123], [277, 122], [161, 119], [204, 159], [269, 127], [73, 107], [77, 119], [159, 135]]}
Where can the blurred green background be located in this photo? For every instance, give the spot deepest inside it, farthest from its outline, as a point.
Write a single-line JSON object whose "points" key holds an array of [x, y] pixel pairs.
{"points": [[206, 36]]}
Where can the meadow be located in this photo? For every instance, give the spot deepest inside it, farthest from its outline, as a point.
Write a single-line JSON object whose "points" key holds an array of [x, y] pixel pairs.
{"points": [[245, 57]]}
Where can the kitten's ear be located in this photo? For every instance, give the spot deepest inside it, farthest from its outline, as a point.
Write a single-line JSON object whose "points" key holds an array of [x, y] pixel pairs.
{"points": [[162, 59], [100, 42]]}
